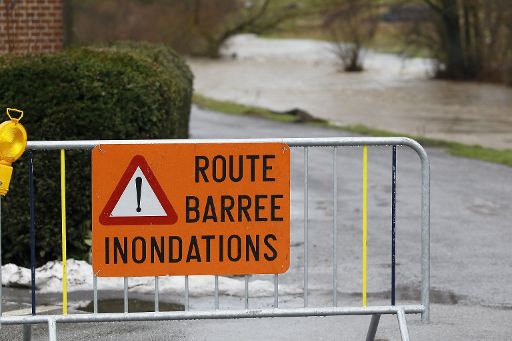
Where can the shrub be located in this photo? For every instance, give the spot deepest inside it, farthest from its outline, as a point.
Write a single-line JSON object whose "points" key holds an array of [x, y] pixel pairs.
{"points": [[124, 91]]}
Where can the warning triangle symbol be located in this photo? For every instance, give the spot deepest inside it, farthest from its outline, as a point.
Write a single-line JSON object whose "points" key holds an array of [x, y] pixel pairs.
{"points": [[138, 199]]}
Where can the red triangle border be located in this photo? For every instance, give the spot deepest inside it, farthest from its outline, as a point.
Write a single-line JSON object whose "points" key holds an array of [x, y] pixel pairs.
{"points": [[138, 161]]}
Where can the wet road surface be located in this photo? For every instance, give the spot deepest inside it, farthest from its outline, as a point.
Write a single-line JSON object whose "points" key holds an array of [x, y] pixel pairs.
{"points": [[471, 272]]}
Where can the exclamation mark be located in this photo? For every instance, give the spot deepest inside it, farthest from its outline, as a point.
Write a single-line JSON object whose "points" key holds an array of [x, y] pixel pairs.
{"points": [[138, 186]]}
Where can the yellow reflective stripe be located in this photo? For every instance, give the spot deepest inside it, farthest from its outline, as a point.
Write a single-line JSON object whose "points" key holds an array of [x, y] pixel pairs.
{"points": [[365, 219], [63, 209]]}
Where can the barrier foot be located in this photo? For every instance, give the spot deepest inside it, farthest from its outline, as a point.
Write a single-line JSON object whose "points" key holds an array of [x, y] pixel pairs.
{"points": [[27, 332], [52, 330], [372, 329], [402, 324]]}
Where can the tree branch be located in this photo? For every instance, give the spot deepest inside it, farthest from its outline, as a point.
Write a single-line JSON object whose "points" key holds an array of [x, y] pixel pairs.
{"points": [[434, 6]]}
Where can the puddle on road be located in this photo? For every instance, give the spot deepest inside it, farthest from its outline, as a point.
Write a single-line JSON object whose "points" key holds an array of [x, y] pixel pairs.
{"points": [[134, 305], [405, 293]]}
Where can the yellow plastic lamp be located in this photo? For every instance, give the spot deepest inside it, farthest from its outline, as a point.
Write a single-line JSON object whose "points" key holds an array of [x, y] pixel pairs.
{"points": [[13, 141]]}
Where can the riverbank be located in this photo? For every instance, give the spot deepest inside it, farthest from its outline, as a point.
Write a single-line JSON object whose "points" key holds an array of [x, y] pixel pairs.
{"points": [[477, 152]]}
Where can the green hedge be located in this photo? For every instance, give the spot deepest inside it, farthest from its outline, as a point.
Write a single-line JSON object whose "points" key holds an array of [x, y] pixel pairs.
{"points": [[125, 91]]}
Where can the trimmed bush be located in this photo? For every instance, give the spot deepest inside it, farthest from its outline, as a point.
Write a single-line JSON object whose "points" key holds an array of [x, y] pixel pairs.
{"points": [[126, 91]]}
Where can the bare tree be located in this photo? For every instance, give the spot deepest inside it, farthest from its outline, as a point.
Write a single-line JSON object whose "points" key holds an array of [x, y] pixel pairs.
{"points": [[196, 27], [351, 24], [468, 38], [249, 16]]}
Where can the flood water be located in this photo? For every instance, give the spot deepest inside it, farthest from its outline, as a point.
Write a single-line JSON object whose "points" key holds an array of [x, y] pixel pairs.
{"points": [[393, 93]]}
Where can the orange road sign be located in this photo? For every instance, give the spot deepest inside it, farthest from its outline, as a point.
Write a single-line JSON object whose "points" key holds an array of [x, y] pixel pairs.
{"points": [[189, 209]]}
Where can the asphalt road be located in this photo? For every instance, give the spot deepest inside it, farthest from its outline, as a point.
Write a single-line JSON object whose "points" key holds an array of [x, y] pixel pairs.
{"points": [[471, 253]]}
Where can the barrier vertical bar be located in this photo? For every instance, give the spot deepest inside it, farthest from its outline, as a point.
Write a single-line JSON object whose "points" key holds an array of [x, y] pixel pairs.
{"points": [[63, 213], [276, 291], [216, 292], [157, 295], [27, 328], [365, 220], [186, 293], [52, 330], [306, 226], [95, 292], [393, 225], [246, 292], [402, 324], [125, 294], [334, 230], [372, 329], [425, 234], [32, 230]]}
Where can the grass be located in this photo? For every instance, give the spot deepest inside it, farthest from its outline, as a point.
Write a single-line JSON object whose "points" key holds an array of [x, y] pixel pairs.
{"points": [[477, 152], [240, 109]]}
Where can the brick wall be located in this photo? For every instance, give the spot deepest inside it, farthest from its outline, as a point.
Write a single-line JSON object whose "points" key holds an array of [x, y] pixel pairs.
{"points": [[31, 26]]}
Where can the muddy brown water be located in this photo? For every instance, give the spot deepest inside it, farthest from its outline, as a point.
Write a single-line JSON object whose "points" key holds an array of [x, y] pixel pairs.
{"points": [[394, 94]]}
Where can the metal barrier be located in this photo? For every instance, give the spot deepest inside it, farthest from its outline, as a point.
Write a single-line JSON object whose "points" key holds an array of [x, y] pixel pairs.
{"points": [[275, 311]]}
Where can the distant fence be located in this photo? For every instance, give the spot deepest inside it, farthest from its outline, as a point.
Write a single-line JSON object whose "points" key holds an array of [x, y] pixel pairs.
{"points": [[274, 311]]}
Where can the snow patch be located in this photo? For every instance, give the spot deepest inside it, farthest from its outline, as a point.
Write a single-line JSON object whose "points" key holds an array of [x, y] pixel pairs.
{"points": [[79, 273], [15, 276]]}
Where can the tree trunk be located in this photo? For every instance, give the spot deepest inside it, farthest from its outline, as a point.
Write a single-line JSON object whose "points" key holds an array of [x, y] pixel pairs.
{"points": [[455, 67]]}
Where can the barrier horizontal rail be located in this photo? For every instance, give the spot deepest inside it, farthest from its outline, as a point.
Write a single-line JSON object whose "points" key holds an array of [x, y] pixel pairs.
{"points": [[212, 315], [292, 142], [375, 311]]}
